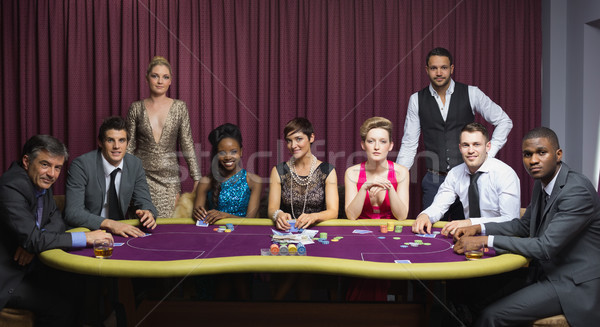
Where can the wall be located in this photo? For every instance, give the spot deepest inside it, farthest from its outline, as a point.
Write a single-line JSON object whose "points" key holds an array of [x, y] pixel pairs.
{"points": [[571, 44]]}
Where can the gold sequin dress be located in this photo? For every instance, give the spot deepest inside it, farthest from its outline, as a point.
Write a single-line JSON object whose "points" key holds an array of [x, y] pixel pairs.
{"points": [[160, 160]]}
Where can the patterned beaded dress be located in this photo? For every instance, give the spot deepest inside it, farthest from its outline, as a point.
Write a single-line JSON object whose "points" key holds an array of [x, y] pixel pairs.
{"points": [[234, 195], [160, 158], [313, 201]]}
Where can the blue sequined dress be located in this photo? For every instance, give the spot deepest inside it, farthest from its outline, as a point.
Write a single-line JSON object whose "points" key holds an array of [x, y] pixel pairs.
{"points": [[234, 195]]}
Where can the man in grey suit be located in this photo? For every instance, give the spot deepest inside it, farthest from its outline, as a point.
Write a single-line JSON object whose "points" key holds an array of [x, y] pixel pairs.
{"points": [[560, 232], [94, 175], [30, 223]]}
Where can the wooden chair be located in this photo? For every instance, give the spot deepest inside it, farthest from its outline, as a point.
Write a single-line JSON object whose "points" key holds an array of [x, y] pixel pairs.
{"points": [[554, 321], [16, 318], [60, 202]]}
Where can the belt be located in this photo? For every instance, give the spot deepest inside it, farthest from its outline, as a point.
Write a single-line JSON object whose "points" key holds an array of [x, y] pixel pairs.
{"points": [[439, 173]]}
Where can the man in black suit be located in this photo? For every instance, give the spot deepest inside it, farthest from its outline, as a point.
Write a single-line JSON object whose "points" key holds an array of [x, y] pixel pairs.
{"points": [[560, 232], [29, 224], [89, 179]]}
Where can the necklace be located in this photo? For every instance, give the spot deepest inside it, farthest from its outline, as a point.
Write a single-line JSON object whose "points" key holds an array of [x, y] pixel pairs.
{"points": [[301, 181]]}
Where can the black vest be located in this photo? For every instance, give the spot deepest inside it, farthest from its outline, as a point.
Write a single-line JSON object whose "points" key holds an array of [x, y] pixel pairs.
{"points": [[442, 138]]}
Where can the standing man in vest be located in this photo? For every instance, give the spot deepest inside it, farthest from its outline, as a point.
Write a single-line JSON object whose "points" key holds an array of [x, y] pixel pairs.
{"points": [[440, 111]]}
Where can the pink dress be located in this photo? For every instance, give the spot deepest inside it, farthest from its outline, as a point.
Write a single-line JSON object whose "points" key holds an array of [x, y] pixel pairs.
{"points": [[363, 289], [384, 211]]}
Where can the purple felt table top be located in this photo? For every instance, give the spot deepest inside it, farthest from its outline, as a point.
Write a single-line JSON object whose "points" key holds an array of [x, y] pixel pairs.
{"points": [[181, 242]]}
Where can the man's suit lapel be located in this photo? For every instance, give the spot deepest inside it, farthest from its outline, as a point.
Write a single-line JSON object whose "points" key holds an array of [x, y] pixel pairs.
{"points": [[101, 179], [535, 208], [561, 180], [125, 185]]}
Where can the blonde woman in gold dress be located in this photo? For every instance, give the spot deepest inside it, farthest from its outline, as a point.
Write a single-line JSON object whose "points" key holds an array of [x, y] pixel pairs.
{"points": [[156, 124]]}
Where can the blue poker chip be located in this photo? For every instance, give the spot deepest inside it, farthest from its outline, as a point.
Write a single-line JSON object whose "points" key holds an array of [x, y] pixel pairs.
{"points": [[381, 237], [403, 246], [325, 242]]}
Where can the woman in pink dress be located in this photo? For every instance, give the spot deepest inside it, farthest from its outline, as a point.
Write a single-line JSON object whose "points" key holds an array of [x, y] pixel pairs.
{"points": [[376, 188]]}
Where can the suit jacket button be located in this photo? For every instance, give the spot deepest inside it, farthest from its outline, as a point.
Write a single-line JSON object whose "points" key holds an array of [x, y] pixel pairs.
{"points": [[10, 291]]}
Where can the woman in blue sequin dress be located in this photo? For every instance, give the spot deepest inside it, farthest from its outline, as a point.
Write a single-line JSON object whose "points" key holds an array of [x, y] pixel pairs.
{"points": [[228, 191]]}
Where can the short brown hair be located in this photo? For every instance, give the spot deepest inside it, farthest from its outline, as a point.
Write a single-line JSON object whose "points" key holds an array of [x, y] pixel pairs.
{"points": [[375, 122], [476, 127], [298, 124]]}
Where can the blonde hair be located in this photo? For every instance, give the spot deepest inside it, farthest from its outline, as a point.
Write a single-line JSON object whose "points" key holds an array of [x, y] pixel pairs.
{"points": [[375, 122], [158, 60]]}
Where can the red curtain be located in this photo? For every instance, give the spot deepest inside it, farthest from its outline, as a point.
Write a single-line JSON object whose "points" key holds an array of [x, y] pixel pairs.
{"points": [[66, 65]]}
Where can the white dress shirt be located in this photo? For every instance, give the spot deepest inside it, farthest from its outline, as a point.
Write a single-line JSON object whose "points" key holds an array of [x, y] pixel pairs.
{"points": [[108, 169], [480, 103], [499, 192]]}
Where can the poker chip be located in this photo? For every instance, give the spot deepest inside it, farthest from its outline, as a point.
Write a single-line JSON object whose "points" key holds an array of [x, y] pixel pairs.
{"points": [[227, 230], [292, 249], [381, 237], [403, 246], [325, 242], [335, 240], [301, 249], [427, 243], [396, 238], [283, 250]]}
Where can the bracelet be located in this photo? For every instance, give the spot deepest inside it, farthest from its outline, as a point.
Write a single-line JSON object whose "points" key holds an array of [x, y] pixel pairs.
{"points": [[275, 214]]}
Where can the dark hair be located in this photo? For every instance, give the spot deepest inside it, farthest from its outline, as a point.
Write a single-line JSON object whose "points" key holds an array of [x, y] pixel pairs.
{"points": [[438, 52], [113, 122], [224, 131], [543, 132], [298, 124], [476, 127], [37, 143]]}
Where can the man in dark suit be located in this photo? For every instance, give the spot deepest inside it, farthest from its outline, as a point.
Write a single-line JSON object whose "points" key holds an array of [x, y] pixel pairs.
{"points": [[90, 180], [29, 224], [560, 232]]}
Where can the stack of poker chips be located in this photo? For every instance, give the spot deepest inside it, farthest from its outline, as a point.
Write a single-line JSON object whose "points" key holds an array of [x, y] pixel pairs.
{"points": [[285, 249]]}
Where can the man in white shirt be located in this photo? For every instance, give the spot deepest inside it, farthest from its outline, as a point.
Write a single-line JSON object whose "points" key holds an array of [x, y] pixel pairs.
{"points": [[497, 185], [440, 111]]}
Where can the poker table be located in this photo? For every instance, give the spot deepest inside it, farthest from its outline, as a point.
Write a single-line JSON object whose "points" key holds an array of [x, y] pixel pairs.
{"points": [[177, 248]]}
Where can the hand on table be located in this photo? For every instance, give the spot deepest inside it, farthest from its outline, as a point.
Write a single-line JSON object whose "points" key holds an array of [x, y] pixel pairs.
{"points": [[305, 220], [450, 228], [282, 220], [22, 257], [121, 229], [422, 225], [212, 216], [470, 243], [99, 234], [146, 218], [199, 213], [466, 231]]}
